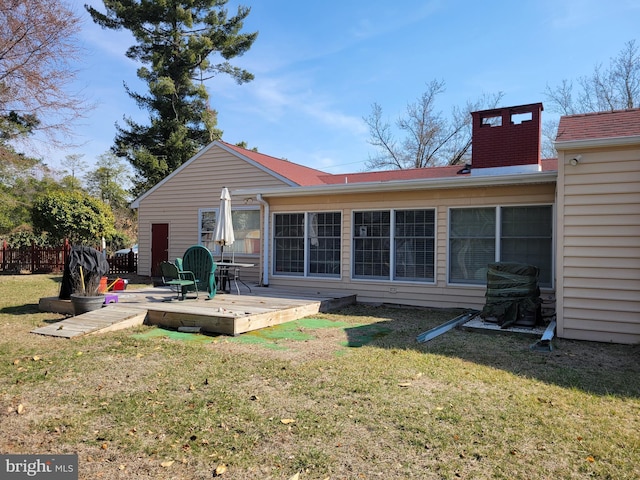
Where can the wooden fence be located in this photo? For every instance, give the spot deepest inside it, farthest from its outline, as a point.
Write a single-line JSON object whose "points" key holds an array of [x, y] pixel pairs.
{"points": [[35, 259]]}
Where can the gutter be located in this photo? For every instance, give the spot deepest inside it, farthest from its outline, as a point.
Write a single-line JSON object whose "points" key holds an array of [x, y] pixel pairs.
{"points": [[597, 142], [404, 185], [265, 241]]}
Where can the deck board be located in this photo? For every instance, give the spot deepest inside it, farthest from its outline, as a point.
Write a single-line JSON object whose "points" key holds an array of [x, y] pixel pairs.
{"points": [[228, 314]]}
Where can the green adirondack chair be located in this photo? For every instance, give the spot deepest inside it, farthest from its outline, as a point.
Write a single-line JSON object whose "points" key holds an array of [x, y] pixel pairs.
{"points": [[176, 278], [198, 259]]}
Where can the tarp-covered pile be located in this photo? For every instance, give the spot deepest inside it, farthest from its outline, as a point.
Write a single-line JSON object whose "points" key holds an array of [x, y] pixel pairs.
{"points": [[513, 295], [94, 266]]}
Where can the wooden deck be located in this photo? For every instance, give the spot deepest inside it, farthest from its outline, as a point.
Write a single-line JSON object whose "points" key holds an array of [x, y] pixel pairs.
{"points": [[226, 313]]}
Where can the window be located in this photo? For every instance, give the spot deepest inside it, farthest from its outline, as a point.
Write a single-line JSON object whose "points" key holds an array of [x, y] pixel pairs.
{"points": [[307, 244], [324, 243], [288, 245], [409, 234], [246, 230], [472, 244], [414, 245], [207, 227], [527, 237], [371, 244], [479, 236]]}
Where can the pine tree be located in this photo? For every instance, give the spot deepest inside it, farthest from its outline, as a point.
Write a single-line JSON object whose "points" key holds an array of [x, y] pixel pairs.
{"points": [[176, 41]]}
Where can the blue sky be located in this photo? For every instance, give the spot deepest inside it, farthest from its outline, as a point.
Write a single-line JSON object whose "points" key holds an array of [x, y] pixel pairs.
{"points": [[319, 67]]}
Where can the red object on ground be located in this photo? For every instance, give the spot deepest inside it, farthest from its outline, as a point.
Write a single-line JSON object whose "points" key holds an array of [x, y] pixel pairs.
{"points": [[120, 284], [103, 285]]}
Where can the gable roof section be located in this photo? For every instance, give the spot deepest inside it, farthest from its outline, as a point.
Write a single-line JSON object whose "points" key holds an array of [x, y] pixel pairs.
{"points": [[298, 174], [599, 126], [289, 172]]}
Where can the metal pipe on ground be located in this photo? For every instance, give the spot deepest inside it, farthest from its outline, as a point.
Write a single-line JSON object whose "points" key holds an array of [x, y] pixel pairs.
{"points": [[445, 327]]}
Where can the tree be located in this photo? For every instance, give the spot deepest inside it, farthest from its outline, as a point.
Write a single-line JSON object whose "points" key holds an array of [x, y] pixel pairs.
{"points": [[107, 182], [74, 215], [429, 138], [74, 164], [175, 42], [22, 178], [37, 48], [615, 87]]}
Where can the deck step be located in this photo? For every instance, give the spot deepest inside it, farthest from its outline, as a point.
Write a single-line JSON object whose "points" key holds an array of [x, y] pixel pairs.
{"points": [[107, 319]]}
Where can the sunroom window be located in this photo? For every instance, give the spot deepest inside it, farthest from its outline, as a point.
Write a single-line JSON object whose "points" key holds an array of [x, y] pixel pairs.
{"points": [[408, 234], [479, 236], [323, 243], [307, 244], [414, 243], [288, 245]]}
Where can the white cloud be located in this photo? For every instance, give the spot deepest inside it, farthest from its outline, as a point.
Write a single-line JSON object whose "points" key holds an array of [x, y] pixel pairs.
{"points": [[289, 97]]}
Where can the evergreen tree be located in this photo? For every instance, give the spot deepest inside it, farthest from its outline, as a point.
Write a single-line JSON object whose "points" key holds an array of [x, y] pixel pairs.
{"points": [[176, 42]]}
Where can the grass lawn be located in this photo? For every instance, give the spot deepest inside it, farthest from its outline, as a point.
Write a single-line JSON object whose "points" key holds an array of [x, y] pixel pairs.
{"points": [[346, 395]]}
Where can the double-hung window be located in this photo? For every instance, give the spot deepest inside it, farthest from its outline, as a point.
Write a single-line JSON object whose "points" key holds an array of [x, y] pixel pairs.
{"points": [[394, 245], [307, 244], [480, 236]]}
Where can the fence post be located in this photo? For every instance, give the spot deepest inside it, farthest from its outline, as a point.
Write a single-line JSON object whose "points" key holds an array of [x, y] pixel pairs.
{"points": [[33, 256], [4, 255], [66, 250], [130, 256]]}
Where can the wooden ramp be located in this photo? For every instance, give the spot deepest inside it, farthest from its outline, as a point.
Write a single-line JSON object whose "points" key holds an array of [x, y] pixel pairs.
{"points": [[106, 319]]}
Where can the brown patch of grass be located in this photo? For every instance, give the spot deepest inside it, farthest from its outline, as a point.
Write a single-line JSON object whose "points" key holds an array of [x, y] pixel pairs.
{"points": [[359, 400]]}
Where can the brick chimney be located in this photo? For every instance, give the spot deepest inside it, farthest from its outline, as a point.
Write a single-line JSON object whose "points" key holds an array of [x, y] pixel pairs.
{"points": [[506, 140]]}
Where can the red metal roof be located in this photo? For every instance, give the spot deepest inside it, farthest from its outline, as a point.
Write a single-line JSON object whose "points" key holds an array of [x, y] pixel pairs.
{"points": [[600, 125], [390, 175], [413, 174], [299, 174], [305, 176]]}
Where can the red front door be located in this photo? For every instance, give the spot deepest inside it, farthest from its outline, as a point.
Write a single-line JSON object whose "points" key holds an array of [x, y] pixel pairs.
{"points": [[159, 246]]}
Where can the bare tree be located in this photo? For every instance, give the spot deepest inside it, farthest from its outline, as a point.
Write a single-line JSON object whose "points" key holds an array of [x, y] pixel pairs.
{"points": [[74, 164], [615, 87], [37, 50], [428, 137]]}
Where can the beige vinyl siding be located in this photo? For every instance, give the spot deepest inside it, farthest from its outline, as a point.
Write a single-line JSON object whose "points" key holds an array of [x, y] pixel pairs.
{"points": [[198, 185], [438, 294], [598, 249]]}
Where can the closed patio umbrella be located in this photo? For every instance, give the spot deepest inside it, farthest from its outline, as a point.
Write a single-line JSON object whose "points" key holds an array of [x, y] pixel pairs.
{"points": [[223, 234]]}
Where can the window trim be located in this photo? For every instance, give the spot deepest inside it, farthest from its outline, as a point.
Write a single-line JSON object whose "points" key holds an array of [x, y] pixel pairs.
{"points": [[498, 237], [216, 250], [306, 253], [392, 241]]}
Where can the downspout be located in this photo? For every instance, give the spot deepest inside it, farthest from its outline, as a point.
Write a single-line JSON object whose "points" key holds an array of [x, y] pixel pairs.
{"points": [[265, 242]]}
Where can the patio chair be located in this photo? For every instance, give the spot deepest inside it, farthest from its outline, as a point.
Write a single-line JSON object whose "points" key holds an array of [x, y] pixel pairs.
{"points": [[198, 259], [180, 279]]}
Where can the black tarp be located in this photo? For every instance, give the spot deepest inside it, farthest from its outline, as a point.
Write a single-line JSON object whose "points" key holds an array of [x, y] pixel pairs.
{"points": [[513, 295], [94, 266]]}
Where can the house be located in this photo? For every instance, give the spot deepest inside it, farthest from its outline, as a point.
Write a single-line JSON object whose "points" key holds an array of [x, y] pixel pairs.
{"points": [[424, 237], [598, 227]]}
